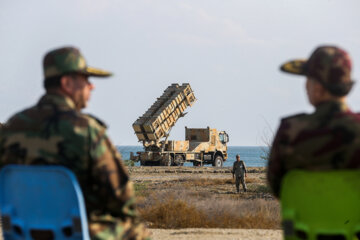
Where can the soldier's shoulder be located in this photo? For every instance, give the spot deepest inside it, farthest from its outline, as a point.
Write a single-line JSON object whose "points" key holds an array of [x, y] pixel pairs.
{"points": [[22, 117], [94, 121], [298, 116], [355, 116], [297, 121], [349, 120]]}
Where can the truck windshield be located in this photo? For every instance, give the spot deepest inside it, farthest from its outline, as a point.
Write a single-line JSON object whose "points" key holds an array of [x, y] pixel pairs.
{"points": [[221, 137]]}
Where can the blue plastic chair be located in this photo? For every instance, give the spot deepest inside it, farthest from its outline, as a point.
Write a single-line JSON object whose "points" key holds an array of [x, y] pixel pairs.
{"points": [[321, 205], [41, 202]]}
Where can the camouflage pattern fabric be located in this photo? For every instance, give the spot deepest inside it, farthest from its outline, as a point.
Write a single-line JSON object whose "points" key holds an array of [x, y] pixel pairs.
{"points": [[329, 65], [239, 170], [327, 139], [53, 132], [238, 180], [68, 60]]}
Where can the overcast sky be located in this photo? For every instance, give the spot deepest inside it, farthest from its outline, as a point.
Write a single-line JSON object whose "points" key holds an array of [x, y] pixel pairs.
{"points": [[228, 50]]}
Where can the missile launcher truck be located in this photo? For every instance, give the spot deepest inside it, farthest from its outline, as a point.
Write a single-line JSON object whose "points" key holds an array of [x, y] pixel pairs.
{"points": [[201, 145]]}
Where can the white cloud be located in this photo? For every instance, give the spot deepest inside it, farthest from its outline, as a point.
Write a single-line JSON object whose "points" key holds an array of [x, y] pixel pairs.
{"points": [[88, 8], [214, 30]]}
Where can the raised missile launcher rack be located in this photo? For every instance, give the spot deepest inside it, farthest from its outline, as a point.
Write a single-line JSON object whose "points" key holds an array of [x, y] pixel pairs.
{"points": [[201, 146], [157, 121]]}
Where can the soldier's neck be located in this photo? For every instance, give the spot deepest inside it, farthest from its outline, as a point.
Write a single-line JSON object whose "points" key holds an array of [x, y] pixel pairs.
{"points": [[330, 98], [56, 91]]}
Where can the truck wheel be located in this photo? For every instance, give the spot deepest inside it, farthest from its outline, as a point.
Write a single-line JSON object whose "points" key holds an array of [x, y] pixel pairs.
{"points": [[167, 162], [179, 160], [218, 162], [196, 164]]}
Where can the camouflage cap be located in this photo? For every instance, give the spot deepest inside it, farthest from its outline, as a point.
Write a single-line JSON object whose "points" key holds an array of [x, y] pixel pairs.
{"points": [[69, 60], [329, 65]]}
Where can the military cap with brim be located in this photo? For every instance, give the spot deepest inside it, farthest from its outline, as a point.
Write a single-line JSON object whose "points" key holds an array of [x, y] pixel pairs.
{"points": [[294, 67], [329, 65], [68, 60]]}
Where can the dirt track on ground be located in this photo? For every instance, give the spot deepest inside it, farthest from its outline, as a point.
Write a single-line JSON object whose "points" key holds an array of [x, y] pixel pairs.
{"points": [[214, 234]]}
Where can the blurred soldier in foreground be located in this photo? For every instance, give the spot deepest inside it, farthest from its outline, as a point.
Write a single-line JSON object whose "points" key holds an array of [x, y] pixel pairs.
{"points": [[239, 171], [327, 139], [54, 131]]}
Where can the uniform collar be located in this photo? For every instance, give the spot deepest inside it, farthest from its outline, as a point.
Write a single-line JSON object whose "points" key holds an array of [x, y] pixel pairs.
{"points": [[61, 101], [332, 106]]}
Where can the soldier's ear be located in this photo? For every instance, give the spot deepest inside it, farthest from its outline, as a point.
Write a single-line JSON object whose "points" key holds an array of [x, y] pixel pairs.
{"points": [[318, 91], [67, 84], [322, 91]]}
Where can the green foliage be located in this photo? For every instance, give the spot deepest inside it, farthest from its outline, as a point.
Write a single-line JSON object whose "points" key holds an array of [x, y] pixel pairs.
{"points": [[129, 163], [265, 153], [140, 188], [263, 189]]}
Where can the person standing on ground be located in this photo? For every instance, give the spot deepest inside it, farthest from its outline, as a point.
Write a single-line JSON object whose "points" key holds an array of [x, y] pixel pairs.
{"points": [[327, 139], [55, 132], [239, 172]]}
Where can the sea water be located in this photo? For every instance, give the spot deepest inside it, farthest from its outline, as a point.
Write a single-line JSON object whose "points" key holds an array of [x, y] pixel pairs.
{"points": [[252, 156]]}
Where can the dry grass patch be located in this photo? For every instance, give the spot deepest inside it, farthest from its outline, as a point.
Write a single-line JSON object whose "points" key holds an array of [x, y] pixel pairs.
{"points": [[205, 182], [140, 188], [253, 180], [263, 188], [172, 214], [180, 210]]}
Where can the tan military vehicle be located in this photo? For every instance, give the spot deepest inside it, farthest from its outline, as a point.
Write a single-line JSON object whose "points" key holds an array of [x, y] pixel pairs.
{"points": [[201, 145]]}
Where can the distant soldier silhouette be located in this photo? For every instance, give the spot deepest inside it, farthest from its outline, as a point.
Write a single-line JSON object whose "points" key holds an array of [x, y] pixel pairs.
{"points": [[239, 171], [328, 138]]}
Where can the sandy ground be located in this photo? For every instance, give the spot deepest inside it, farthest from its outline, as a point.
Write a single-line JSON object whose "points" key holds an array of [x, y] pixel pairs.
{"points": [[216, 233], [162, 178], [159, 179], [212, 234]]}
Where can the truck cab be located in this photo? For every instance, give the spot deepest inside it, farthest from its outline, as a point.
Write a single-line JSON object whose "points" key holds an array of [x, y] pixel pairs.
{"points": [[210, 143]]}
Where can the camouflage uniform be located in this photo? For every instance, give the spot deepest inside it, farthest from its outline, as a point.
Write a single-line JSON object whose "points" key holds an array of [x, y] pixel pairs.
{"points": [[239, 170], [54, 132], [327, 139]]}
